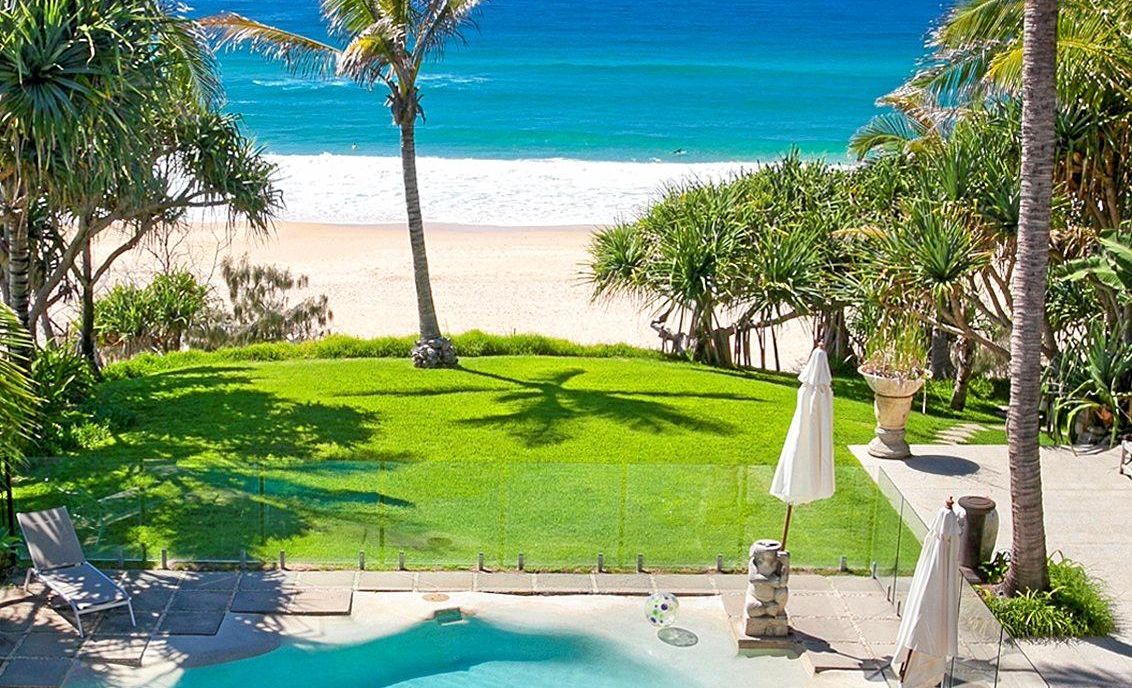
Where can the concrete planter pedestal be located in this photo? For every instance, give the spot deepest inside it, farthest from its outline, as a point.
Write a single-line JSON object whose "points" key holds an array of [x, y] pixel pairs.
{"points": [[892, 403]]}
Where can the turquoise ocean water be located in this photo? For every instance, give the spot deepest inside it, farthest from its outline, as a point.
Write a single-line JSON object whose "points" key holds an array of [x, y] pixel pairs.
{"points": [[628, 80], [578, 111]]}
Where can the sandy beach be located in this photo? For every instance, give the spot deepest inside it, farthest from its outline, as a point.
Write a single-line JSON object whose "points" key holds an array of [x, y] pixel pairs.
{"points": [[497, 279]]}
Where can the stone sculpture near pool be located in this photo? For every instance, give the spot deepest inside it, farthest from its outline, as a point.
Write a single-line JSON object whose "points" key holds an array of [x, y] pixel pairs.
{"points": [[768, 576]]}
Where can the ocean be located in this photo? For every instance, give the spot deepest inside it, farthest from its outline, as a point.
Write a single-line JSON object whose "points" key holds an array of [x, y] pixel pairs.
{"points": [[579, 111]]}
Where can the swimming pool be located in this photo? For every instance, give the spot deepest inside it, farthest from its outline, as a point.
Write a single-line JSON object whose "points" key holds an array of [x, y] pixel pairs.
{"points": [[391, 640]]}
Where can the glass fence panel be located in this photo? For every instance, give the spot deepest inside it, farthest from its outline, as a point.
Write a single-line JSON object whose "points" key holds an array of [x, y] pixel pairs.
{"points": [[563, 515], [439, 513]]}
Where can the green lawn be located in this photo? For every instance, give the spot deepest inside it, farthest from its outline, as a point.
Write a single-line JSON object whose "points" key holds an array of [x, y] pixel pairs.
{"points": [[557, 458]]}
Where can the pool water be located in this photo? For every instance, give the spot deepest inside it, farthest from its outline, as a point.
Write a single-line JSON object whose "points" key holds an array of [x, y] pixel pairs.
{"points": [[464, 654], [394, 639]]}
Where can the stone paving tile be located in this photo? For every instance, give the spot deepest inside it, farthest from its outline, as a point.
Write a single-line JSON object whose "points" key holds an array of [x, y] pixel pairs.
{"points": [[8, 642], [677, 585], [624, 584], [17, 617], [828, 629], [395, 581], [210, 580], [153, 599], [199, 601], [879, 631], [445, 581], [809, 583], [117, 622], [191, 623], [853, 583], [34, 673], [819, 604], [327, 579], [59, 620], [326, 602], [576, 583], [839, 656], [134, 581], [45, 645], [268, 580], [114, 650], [735, 582], [505, 582], [260, 602], [870, 606]]}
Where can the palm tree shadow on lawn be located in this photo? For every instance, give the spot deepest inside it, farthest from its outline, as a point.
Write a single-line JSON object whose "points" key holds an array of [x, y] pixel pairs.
{"points": [[542, 407], [216, 465]]}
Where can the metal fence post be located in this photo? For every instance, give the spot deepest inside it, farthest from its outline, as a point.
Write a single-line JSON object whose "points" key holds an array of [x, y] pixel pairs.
{"points": [[521, 562], [361, 560], [600, 562], [640, 563]]}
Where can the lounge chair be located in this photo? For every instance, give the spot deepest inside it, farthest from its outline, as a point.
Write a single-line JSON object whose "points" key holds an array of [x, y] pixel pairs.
{"points": [[57, 560]]}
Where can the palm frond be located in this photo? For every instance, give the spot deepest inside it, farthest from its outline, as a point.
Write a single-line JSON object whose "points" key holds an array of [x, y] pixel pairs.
{"points": [[891, 132], [301, 55], [444, 20], [17, 402], [367, 57], [349, 17]]}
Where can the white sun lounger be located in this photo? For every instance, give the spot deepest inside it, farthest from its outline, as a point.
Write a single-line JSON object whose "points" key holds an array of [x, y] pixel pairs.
{"points": [[57, 560]]}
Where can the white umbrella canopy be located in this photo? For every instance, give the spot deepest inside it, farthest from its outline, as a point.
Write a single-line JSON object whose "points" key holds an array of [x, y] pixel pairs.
{"points": [[805, 466], [929, 629]]}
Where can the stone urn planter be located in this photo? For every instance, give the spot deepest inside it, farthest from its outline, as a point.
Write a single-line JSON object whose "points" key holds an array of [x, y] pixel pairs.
{"points": [[892, 402]]}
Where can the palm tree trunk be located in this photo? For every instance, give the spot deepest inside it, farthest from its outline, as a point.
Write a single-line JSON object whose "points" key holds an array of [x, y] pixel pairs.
{"points": [[19, 264], [86, 331], [426, 310], [1028, 570], [964, 365]]}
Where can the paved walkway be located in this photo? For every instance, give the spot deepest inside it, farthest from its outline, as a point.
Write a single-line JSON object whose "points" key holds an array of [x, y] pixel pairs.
{"points": [[845, 623], [1088, 515]]}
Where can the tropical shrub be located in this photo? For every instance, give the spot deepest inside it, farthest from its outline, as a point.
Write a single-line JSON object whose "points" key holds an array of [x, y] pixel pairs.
{"points": [[1092, 382], [896, 349], [63, 382], [713, 260], [261, 309], [475, 342], [8, 552], [1074, 606], [130, 319]]}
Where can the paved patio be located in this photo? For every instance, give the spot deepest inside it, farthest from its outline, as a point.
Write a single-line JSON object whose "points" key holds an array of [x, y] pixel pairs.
{"points": [[845, 623], [1088, 512]]}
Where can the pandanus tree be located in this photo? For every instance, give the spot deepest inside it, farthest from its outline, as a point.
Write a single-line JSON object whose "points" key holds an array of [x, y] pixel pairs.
{"points": [[387, 43], [109, 122]]}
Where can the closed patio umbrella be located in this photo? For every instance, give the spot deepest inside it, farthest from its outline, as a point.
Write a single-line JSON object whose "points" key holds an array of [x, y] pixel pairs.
{"points": [[805, 466], [929, 629]]}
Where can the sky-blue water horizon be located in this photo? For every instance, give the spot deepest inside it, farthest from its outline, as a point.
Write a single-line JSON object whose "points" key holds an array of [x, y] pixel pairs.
{"points": [[618, 80]]}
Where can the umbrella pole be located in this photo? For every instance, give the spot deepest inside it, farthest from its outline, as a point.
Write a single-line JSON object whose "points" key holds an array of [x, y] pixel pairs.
{"points": [[786, 528]]}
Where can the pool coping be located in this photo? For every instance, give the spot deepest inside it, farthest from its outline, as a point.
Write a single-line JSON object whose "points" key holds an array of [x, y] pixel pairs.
{"points": [[840, 623]]}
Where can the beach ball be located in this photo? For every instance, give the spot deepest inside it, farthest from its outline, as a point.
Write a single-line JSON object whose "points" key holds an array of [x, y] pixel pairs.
{"points": [[660, 609]]}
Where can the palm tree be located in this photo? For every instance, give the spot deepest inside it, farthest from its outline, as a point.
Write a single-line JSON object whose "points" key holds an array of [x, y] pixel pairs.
{"points": [[387, 43], [17, 403], [1028, 569]]}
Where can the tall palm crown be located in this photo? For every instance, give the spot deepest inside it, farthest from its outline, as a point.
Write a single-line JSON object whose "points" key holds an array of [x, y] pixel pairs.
{"points": [[386, 42]]}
